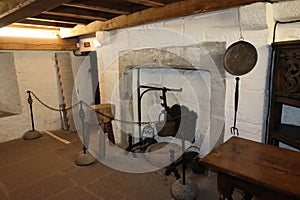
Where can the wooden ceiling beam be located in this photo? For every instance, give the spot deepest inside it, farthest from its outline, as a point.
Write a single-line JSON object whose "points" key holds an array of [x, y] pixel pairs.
{"points": [[77, 16], [46, 23], [16, 43], [150, 3], [102, 6], [53, 18], [21, 9], [169, 11], [19, 25], [65, 11]]}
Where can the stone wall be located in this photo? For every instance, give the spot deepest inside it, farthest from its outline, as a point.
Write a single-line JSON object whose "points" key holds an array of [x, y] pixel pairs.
{"points": [[10, 98], [207, 103], [35, 71], [220, 26]]}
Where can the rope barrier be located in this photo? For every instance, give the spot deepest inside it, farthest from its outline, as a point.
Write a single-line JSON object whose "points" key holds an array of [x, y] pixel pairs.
{"points": [[87, 105], [49, 107]]}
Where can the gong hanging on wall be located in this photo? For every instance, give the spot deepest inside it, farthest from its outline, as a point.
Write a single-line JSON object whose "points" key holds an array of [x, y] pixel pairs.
{"points": [[239, 59]]}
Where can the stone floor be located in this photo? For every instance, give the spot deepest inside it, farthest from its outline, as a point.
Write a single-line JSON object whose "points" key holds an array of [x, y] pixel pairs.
{"points": [[44, 169]]}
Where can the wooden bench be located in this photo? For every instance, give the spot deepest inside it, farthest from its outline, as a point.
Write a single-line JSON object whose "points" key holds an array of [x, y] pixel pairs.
{"points": [[260, 170]]}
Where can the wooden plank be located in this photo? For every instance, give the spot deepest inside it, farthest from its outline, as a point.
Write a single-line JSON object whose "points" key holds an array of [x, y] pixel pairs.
{"points": [[7, 7], [57, 138], [287, 134], [150, 3], [102, 6], [19, 25], [75, 15], [113, 4], [53, 18], [45, 23], [16, 43], [29, 8], [172, 10], [65, 11]]}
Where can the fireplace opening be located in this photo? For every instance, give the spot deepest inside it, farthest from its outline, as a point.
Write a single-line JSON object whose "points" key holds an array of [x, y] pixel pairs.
{"points": [[190, 89], [196, 69]]}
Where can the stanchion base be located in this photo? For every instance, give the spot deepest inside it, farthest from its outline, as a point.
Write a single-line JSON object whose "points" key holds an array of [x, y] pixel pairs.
{"points": [[84, 159], [188, 191], [31, 135]]}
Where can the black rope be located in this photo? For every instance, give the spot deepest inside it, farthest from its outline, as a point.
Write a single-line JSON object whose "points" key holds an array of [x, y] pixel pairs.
{"points": [[49, 107], [87, 105]]}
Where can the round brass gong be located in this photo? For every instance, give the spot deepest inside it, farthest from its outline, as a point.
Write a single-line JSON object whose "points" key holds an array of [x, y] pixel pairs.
{"points": [[240, 58]]}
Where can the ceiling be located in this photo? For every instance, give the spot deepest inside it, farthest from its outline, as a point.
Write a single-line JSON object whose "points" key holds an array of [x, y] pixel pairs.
{"points": [[68, 14], [109, 14]]}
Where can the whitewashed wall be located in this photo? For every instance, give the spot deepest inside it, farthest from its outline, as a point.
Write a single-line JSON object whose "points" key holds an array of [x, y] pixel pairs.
{"points": [[217, 26], [35, 71], [9, 99]]}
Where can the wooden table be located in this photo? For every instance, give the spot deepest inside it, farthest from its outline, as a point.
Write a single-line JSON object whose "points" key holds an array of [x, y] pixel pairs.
{"points": [[260, 170]]}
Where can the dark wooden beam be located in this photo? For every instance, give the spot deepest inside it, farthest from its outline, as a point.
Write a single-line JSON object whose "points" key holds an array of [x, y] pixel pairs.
{"points": [[65, 11], [169, 11], [7, 7], [150, 3], [46, 23], [26, 8], [102, 6], [132, 7], [53, 18], [16, 43]]}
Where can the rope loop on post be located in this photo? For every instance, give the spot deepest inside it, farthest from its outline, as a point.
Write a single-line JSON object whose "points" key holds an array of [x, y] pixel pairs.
{"points": [[63, 109]]}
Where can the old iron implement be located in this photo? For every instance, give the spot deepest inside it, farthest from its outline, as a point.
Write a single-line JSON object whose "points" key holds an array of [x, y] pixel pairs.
{"points": [[239, 59]]}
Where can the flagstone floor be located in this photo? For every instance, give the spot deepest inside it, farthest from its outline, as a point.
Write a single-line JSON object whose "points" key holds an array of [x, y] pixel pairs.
{"points": [[44, 169]]}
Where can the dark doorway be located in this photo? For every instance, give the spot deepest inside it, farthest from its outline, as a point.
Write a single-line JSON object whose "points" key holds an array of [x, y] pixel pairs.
{"points": [[94, 76]]}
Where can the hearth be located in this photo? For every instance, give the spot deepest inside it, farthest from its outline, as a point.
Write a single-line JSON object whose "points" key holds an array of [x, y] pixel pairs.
{"points": [[197, 70]]}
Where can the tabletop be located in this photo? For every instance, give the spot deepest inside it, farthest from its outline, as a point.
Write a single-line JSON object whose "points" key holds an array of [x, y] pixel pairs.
{"points": [[269, 166]]}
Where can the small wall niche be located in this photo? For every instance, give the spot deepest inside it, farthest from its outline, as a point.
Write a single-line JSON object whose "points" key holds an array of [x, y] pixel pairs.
{"points": [[9, 94]]}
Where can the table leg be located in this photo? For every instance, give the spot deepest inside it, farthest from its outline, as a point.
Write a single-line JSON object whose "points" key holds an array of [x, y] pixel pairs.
{"points": [[225, 186]]}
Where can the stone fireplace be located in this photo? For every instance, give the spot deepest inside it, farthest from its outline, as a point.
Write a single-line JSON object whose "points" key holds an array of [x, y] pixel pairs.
{"points": [[196, 69]]}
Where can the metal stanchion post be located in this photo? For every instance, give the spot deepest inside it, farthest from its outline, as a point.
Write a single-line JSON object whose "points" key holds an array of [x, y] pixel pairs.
{"points": [[84, 158], [63, 115], [184, 189], [32, 134]]}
